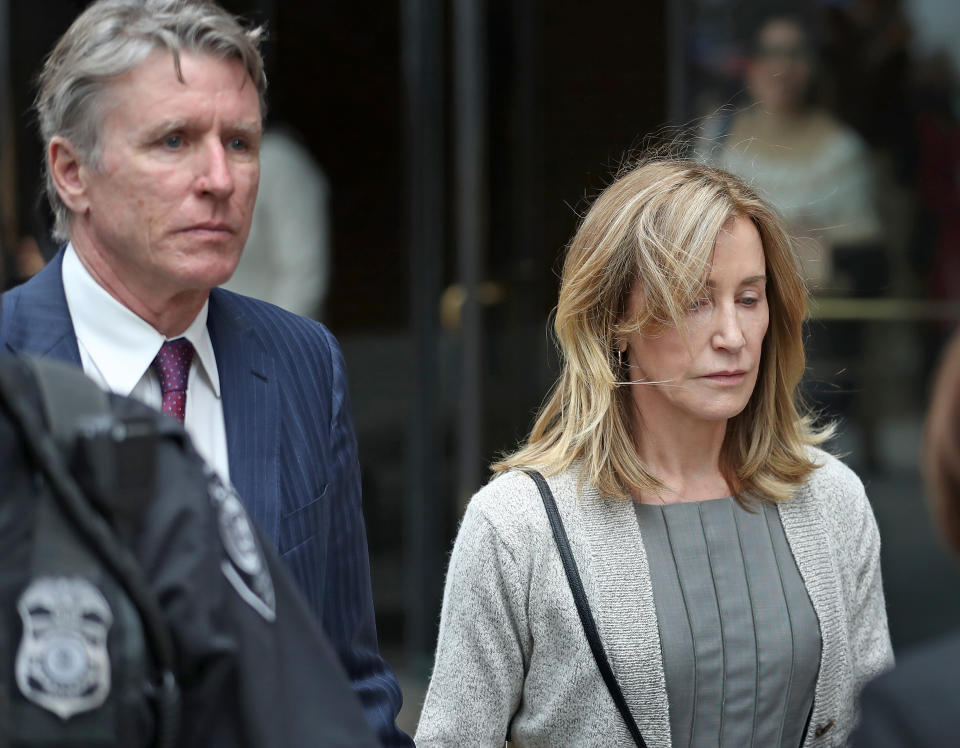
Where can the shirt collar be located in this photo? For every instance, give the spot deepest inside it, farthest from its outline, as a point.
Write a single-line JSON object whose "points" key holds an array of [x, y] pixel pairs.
{"points": [[120, 344]]}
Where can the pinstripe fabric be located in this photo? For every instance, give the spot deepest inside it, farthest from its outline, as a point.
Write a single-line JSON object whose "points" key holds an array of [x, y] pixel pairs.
{"points": [[35, 319], [292, 452]]}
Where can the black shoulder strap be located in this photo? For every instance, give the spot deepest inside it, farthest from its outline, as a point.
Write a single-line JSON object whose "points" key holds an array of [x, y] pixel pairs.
{"points": [[583, 607]]}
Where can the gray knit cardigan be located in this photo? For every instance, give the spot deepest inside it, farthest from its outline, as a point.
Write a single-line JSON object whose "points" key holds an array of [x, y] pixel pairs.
{"points": [[512, 654]]}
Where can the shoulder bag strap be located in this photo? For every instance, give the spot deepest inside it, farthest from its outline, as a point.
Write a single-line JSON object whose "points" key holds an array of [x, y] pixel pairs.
{"points": [[583, 607]]}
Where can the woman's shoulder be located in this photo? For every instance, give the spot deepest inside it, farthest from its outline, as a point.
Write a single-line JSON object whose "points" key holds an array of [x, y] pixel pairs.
{"points": [[838, 135], [511, 501], [510, 494], [833, 484], [504, 495], [831, 470]]}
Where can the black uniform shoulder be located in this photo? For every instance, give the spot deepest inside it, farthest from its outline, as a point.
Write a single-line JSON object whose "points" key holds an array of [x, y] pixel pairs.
{"points": [[922, 671], [915, 704]]}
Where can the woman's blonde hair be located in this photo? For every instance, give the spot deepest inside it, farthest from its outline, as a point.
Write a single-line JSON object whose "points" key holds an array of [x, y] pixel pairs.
{"points": [[654, 228]]}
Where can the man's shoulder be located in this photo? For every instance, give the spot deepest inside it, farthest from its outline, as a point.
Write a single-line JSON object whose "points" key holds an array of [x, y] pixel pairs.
{"points": [[49, 277], [35, 316], [302, 353], [9, 304], [276, 327]]}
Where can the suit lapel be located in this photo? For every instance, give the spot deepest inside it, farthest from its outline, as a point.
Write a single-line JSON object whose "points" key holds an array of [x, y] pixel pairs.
{"points": [[248, 386], [36, 319]]}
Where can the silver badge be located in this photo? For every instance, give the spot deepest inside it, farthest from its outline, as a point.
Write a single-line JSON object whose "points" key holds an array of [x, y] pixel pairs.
{"points": [[62, 662], [244, 567]]}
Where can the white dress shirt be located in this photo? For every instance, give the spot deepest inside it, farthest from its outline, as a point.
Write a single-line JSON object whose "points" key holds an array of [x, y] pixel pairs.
{"points": [[117, 348]]}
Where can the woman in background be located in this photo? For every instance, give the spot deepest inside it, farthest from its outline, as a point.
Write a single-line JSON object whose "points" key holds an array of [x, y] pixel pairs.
{"points": [[813, 168], [731, 566]]}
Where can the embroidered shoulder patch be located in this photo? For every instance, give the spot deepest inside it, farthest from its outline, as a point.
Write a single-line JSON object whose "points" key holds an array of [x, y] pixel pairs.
{"points": [[244, 567]]}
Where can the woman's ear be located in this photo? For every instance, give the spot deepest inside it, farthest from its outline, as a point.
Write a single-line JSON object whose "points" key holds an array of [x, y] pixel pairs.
{"points": [[68, 172]]}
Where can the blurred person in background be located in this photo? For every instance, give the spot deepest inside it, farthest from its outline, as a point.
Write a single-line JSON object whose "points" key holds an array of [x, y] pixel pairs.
{"points": [[817, 172], [286, 259], [19, 255], [730, 565], [813, 168], [917, 705], [866, 46]]}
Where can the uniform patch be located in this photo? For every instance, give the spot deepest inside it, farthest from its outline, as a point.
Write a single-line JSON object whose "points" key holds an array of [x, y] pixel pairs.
{"points": [[244, 567], [62, 663]]}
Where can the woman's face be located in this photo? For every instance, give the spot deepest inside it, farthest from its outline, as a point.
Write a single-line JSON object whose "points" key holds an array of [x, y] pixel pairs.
{"points": [[779, 72], [709, 374]]}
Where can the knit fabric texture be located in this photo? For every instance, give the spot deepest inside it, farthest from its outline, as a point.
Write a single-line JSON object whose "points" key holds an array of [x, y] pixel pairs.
{"points": [[511, 653]]}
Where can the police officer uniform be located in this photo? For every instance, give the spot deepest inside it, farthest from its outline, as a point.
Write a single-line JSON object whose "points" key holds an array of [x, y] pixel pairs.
{"points": [[140, 604]]}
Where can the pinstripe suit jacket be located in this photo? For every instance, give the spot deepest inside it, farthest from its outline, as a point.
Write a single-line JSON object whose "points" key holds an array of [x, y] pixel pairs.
{"points": [[292, 454]]}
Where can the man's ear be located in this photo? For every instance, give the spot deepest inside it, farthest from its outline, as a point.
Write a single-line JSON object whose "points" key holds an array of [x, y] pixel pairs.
{"points": [[69, 172]]}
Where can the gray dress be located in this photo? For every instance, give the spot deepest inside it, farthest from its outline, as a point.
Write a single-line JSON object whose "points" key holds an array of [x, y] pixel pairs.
{"points": [[740, 638]]}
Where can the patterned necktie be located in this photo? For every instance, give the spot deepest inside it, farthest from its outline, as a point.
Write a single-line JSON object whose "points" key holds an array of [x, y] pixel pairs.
{"points": [[172, 365]]}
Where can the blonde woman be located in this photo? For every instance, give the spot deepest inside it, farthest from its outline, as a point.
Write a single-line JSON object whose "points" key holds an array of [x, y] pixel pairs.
{"points": [[731, 567]]}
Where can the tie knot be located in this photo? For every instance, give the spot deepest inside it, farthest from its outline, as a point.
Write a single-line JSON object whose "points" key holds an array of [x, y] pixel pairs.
{"points": [[172, 365]]}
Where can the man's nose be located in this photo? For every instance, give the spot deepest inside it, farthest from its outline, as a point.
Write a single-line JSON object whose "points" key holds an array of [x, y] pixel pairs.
{"points": [[729, 330], [215, 177]]}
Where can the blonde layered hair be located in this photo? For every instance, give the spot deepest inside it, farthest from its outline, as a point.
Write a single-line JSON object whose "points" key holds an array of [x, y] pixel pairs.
{"points": [[655, 228]]}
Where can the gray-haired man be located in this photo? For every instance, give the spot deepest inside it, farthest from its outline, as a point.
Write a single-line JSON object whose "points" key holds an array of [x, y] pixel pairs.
{"points": [[151, 113]]}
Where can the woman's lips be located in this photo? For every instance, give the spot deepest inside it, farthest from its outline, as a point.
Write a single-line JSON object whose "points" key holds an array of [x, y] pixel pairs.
{"points": [[726, 377]]}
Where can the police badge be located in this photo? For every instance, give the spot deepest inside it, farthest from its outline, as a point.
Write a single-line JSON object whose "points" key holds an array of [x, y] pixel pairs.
{"points": [[245, 567], [62, 663]]}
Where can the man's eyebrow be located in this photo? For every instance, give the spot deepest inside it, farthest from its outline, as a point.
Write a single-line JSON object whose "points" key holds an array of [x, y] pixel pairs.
{"points": [[167, 125], [749, 281], [248, 129]]}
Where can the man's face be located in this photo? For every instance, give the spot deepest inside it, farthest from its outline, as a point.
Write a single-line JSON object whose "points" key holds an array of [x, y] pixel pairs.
{"points": [[168, 206]]}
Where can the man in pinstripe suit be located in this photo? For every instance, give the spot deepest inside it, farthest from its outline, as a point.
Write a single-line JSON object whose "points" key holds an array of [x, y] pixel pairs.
{"points": [[151, 113]]}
